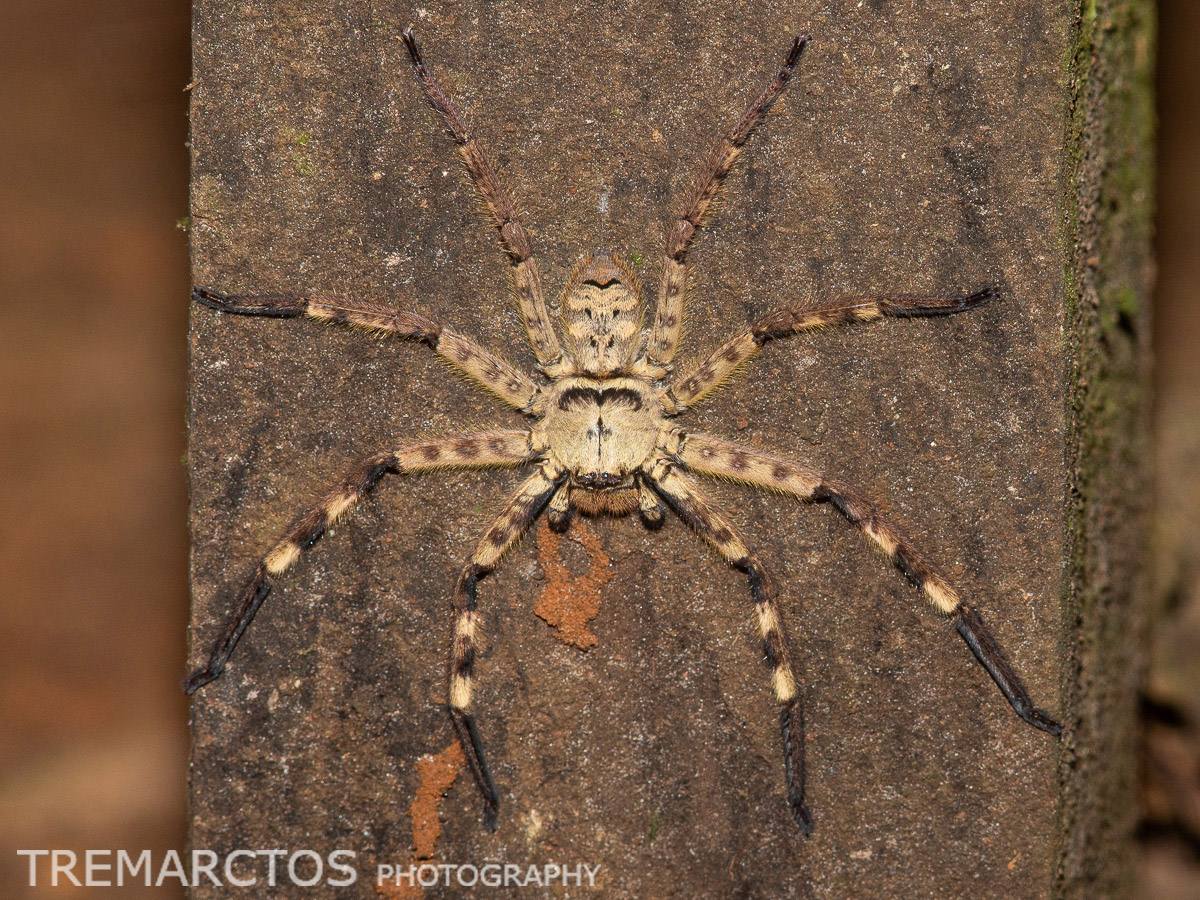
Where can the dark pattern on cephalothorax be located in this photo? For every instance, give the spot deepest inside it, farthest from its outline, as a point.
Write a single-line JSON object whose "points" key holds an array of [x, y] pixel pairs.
{"points": [[601, 435]]}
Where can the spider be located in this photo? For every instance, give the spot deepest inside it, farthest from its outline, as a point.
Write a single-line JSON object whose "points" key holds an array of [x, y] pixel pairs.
{"points": [[602, 438]]}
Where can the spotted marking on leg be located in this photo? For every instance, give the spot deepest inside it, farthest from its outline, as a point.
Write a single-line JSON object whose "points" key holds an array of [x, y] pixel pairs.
{"points": [[487, 369], [725, 459]]}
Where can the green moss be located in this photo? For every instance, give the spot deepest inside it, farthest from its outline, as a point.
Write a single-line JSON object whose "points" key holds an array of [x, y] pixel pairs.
{"points": [[298, 142], [1128, 303], [1108, 208]]}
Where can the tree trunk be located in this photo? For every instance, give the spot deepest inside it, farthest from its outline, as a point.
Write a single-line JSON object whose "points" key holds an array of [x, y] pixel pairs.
{"points": [[622, 699]]}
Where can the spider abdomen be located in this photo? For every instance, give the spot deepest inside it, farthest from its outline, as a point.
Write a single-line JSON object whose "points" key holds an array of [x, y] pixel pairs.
{"points": [[602, 315]]}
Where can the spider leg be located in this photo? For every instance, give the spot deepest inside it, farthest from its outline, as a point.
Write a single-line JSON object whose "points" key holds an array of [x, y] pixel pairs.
{"points": [[558, 516], [484, 368], [711, 524], [503, 213], [466, 451], [649, 507], [668, 317], [689, 389], [724, 459], [519, 513]]}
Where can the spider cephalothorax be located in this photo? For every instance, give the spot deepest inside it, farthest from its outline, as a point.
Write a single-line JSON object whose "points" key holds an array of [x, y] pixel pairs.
{"points": [[602, 434]]}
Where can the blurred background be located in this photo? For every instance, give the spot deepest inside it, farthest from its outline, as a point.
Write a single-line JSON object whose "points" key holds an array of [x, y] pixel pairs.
{"points": [[93, 355], [93, 544], [1170, 829]]}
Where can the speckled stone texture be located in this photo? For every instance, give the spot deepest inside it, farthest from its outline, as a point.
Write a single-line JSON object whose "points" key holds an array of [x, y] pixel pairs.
{"points": [[920, 150]]}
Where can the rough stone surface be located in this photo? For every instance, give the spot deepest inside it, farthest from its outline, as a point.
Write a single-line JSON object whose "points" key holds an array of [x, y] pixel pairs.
{"points": [[922, 149]]}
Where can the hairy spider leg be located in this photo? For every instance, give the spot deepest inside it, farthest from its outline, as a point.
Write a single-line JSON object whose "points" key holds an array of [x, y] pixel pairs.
{"points": [[724, 459], [519, 513], [710, 523], [477, 450], [482, 366], [690, 388], [668, 316], [523, 272]]}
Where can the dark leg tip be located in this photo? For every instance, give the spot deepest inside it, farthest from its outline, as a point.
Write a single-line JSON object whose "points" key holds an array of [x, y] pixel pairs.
{"points": [[653, 519], [1040, 720], [986, 295], [410, 44], [802, 816], [920, 308], [211, 299], [558, 522], [491, 817], [796, 52], [199, 679], [281, 306]]}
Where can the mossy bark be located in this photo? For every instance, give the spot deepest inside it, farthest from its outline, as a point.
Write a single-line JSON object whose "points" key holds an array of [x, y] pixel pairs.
{"points": [[924, 148], [1109, 276]]}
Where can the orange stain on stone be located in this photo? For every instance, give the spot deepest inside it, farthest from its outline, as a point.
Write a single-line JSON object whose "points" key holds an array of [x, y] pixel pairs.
{"points": [[569, 602], [436, 774], [402, 891]]}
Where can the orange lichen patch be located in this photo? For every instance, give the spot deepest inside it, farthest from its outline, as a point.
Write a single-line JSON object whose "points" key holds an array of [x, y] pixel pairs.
{"points": [[569, 602], [436, 774]]}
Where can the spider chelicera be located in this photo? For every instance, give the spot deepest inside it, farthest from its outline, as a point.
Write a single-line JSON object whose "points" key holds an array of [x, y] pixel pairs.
{"points": [[602, 437]]}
